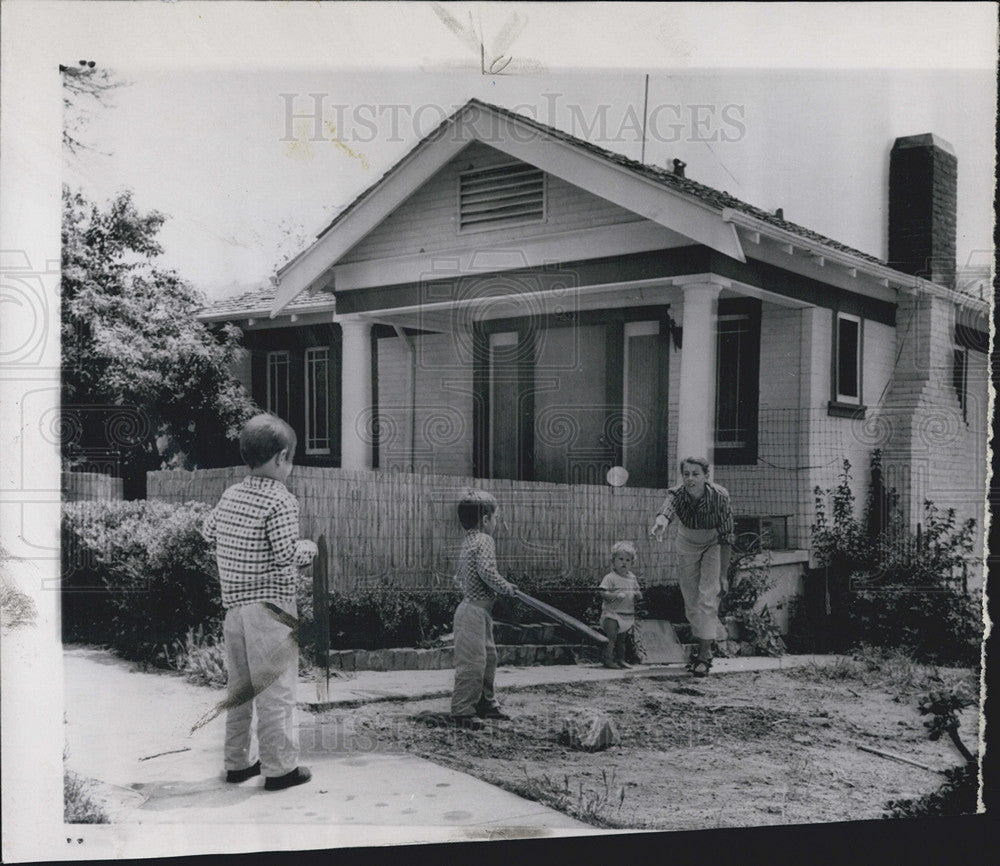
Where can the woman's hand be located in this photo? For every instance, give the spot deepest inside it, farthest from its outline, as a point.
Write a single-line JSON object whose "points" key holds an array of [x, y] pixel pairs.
{"points": [[657, 530]]}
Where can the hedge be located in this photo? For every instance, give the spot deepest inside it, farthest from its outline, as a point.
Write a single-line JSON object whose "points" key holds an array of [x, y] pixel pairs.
{"points": [[136, 575]]}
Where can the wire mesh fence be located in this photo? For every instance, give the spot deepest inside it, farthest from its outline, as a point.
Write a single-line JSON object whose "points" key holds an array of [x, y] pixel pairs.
{"points": [[403, 525]]}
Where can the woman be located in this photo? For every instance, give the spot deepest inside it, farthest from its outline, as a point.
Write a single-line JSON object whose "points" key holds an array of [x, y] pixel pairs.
{"points": [[703, 547]]}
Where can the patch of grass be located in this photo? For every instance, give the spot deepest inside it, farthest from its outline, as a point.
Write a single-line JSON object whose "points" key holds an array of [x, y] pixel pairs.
{"points": [[200, 657], [79, 805], [890, 669], [17, 609], [599, 806]]}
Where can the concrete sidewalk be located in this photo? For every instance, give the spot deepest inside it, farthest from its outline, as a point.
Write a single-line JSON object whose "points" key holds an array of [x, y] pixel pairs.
{"points": [[354, 689], [130, 730]]}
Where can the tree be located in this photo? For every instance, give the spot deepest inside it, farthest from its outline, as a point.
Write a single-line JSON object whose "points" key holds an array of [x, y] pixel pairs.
{"points": [[131, 342], [85, 88]]}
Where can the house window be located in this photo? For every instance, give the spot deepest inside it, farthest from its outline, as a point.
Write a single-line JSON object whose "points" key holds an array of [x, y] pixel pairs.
{"points": [[500, 196], [960, 378], [277, 384], [848, 360], [317, 381], [737, 381]]}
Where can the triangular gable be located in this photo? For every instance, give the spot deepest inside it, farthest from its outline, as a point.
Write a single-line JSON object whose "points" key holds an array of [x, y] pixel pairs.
{"points": [[428, 220], [522, 141]]}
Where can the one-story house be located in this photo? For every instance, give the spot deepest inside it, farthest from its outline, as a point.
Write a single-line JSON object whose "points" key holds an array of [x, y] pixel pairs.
{"points": [[512, 302]]}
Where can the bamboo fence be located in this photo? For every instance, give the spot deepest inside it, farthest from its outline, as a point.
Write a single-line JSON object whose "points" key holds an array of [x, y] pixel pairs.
{"points": [[405, 526], [90, 486]]}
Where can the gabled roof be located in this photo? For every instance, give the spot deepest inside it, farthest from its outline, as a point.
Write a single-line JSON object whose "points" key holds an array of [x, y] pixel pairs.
{"points": [[299, 281], [685, 185]]}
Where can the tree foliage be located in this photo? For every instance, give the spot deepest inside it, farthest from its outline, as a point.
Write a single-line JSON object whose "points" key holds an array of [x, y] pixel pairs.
{"points": [[85, 87], [130, 339]]}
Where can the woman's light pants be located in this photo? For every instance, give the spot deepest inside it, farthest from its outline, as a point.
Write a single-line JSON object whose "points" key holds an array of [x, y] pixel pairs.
{"points": [[699, 564]]}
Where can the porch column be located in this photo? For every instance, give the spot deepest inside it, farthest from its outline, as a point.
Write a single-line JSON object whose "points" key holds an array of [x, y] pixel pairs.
{"points": [[696, 416], [356, 422]]}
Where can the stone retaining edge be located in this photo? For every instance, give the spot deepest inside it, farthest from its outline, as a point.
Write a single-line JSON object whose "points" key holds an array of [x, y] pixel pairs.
{"points": [[513, 655]]}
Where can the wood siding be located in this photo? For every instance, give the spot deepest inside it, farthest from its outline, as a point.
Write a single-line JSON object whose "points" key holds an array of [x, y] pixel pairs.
{"points": [[429, 219]]}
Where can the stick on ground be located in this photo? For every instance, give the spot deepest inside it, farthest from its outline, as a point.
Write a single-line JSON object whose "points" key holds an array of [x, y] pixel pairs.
{"points": [[899, 758], [160, 754]]}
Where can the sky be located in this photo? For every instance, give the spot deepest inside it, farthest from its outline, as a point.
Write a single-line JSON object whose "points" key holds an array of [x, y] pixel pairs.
{"points": [[245, 185]]}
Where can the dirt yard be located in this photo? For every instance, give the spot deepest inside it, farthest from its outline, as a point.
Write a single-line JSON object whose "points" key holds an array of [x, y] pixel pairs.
{"points": [[726, 751]]}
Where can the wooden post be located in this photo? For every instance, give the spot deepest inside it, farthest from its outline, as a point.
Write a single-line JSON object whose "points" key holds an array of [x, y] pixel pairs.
{"points": [[321, 603]]}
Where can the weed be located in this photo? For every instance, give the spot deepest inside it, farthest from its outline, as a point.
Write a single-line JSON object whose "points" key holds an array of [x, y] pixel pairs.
{"points": [[17, 609], [594, 806], [79, 805], [891, 670], [959, 793], [200, 657], [749, 577]]}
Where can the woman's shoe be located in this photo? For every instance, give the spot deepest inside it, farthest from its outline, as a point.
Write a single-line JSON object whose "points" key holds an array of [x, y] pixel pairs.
{"points": [[700, 667]]}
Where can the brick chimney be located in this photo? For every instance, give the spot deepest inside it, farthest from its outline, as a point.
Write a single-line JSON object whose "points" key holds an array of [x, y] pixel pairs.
{"points": [[923, 194]]}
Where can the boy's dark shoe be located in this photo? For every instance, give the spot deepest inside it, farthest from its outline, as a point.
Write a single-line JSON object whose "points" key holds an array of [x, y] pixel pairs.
{"points": [[242, 775], [492, 712], [298, 776], [469, 723]]}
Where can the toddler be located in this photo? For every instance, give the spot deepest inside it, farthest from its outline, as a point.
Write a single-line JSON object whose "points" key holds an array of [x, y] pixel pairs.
{"points": [[620, 591]]}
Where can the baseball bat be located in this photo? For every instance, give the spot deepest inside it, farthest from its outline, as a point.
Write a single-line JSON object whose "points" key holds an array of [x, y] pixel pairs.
{"points": [[560, 617]]}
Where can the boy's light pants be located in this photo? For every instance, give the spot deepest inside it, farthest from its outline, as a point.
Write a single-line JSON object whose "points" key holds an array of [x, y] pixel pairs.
{"points": [[475, 659], [259, 648], [699, 568]]}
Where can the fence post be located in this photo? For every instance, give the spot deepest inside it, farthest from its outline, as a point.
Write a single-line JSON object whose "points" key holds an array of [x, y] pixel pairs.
{"points": [[321, 602]]}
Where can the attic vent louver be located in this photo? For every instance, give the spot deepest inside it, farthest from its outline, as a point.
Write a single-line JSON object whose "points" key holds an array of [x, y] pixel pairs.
{"points": [[501, 196]]}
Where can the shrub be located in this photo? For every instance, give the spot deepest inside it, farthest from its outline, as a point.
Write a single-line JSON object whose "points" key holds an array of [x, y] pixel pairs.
{"points": [[386, 614], [749, 578], [137, 576], [573, 594], [663, 601], [890, 587], [958, 794]]}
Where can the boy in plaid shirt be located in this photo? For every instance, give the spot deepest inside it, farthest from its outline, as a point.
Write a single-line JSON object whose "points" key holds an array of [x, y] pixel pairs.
{"points": [[255, 529], [475, 653]]}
